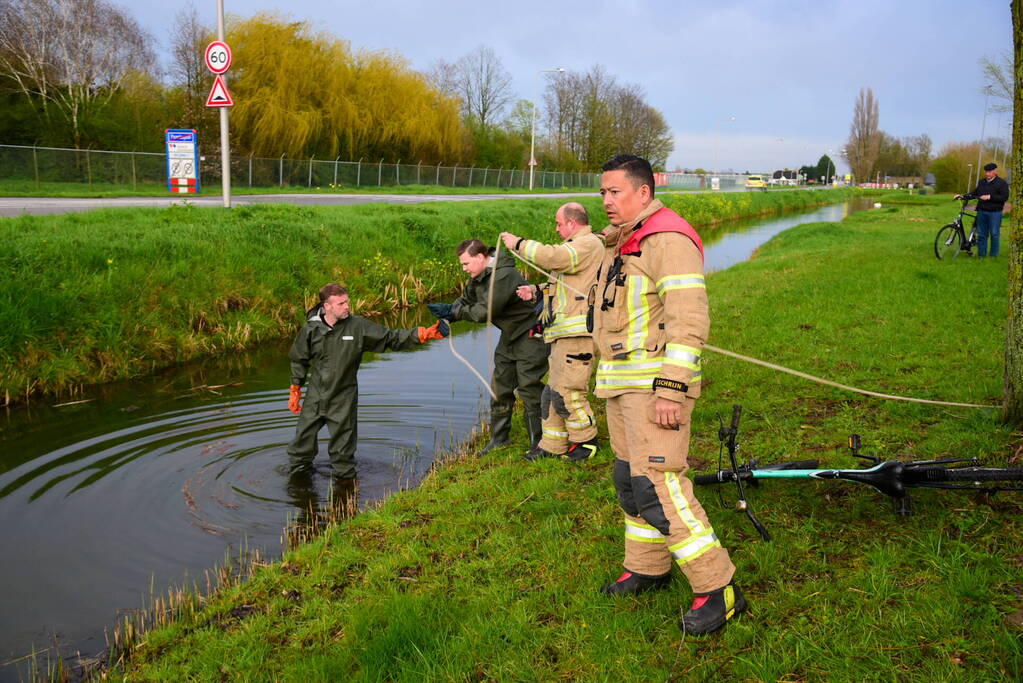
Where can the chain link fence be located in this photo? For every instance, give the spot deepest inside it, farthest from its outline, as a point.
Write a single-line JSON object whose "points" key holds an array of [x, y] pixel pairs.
{"points": [[64, 165]]}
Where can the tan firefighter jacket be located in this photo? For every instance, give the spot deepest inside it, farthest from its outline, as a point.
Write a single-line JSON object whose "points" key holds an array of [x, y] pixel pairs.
{"points": [[573, 265], [650, 314]]}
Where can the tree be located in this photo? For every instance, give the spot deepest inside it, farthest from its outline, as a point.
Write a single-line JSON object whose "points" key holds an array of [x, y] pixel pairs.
{"points": [[484, 86], [998, 81], [864, 144], [825, 169], [1013, 394], [188, 70], [70, 56], [301, 93]]}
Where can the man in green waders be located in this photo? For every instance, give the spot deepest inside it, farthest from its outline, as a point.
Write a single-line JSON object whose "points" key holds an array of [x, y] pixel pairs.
{"points": [[520, 359], [327, 351]]}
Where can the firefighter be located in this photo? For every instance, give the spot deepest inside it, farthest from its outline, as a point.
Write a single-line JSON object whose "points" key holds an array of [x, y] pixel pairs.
{"points": [[327, 351], [520, 359], [650, 324], [569, 429]]}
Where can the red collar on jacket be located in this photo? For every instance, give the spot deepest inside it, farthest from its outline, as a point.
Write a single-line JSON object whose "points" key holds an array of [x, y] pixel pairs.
{"points": [[663, 220]]}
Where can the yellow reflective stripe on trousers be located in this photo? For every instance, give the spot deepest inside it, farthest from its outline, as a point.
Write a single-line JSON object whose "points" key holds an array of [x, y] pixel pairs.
{"points": [[643, 533], [702, 538], [582, 418], [693, 547], [681, 281], [554, 433]]}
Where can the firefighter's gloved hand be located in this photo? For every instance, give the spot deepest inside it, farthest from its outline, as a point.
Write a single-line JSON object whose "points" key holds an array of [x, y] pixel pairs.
{"points": [[295, 400], [438, 330], [442, 311]]}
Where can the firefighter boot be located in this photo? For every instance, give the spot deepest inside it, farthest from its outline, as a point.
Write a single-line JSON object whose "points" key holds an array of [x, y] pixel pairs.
{"points": [[582, 451], [711, 610], [631, 584], [500, 430]]}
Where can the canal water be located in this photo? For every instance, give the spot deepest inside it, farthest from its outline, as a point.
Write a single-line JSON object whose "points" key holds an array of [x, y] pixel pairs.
{"points": [[149, 483]]}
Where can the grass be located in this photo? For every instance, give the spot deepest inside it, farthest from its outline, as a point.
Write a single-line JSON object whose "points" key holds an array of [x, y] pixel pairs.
{"points": [[490, 569], [117, 293]]}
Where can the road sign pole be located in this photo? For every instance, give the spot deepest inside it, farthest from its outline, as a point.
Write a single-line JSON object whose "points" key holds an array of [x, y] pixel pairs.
{"points": [[225, 147]]}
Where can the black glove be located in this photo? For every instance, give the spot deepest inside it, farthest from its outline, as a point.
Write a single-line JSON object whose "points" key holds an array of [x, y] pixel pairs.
{"points": [[443, 327], [442, 311]]}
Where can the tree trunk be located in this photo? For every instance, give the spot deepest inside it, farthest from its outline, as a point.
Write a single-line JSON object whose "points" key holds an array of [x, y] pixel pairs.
{"points": [[1014, 324]]}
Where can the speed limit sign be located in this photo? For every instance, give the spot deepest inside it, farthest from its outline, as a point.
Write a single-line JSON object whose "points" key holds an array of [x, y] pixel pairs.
{"points": [[218, 57]]}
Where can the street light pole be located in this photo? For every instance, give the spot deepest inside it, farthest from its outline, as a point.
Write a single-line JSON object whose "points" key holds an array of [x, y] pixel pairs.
{"points": [[980, 151], [532, 126], [717, 139]]}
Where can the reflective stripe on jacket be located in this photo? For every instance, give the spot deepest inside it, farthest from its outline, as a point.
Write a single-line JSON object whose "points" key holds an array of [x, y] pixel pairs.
{"points": [[574, 264], [650, 316]]}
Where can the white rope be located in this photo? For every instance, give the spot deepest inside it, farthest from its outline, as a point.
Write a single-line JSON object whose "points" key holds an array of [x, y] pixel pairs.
{"points": [[451, 345], [790, 371]]}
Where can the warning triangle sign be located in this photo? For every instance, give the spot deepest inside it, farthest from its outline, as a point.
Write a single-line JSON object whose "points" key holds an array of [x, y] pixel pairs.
{"points": [[219, 97]]}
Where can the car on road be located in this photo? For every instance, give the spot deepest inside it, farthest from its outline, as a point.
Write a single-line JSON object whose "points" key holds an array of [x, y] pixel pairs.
{"points": [[756, 182]]}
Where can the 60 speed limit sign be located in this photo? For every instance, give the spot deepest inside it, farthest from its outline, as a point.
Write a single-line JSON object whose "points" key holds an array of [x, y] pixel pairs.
{"points": [[218, 57]]}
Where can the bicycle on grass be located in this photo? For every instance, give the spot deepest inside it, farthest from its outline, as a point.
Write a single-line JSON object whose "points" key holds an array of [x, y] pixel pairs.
{"points": [[892, 477], [951, 239]]}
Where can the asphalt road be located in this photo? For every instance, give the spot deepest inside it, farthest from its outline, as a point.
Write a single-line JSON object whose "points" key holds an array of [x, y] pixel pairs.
{"points": [[17, 206]]}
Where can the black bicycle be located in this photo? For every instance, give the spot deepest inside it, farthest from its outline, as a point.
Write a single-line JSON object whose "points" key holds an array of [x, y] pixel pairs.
{"points": [[892, 477], [951, 240]]}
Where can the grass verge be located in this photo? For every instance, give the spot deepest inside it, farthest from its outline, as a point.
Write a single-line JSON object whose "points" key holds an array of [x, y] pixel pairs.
{"points": [[490, 569], [117, 293]]}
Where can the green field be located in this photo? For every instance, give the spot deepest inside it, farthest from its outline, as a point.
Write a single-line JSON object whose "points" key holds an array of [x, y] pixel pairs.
{"points": [[118, 293], [490, 570]]}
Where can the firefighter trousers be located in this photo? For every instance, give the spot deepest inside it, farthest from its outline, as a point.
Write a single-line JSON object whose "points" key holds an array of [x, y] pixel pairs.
{"points": [[564, 405], [663, 519]]}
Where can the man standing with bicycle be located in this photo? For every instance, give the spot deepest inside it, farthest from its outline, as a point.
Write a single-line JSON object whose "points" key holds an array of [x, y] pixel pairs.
{"points": [[991, 194]]}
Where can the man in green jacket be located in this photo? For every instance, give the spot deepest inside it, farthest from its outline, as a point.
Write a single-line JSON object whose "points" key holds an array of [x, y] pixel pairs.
{"points": [[328, 351], [520, 359]]}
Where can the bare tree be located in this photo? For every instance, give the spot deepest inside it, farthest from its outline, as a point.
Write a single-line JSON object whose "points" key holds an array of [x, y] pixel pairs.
{"points": [[1013, 394], [998, 81], [864, 144], [188, 42], [484, 86], [71, 55]]}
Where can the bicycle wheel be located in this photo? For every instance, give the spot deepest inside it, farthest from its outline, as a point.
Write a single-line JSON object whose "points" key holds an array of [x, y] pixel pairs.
{"points": [[947, 242], [978, 474]]}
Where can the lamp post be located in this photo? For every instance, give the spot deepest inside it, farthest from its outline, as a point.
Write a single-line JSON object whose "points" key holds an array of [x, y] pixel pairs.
{"points": [[532, 127], [980, 151], [827, 173], [717, 139]]}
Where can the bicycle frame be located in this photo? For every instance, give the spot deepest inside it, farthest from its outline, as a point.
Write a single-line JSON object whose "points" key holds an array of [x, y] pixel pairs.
{"points": [[891, 477]]}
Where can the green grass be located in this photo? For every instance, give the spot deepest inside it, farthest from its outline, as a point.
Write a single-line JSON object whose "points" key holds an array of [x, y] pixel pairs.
{"points": [[117, 293], [490, 569]]}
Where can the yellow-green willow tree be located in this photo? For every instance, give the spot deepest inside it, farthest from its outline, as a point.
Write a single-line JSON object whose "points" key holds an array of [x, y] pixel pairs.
{"points": [[302, 93]]}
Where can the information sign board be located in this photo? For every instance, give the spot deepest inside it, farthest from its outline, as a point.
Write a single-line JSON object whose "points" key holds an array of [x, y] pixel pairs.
{"points": [[182, 160]]}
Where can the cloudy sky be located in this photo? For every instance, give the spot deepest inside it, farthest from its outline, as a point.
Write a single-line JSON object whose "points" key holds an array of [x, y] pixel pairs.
{"points": [[789, 72]]}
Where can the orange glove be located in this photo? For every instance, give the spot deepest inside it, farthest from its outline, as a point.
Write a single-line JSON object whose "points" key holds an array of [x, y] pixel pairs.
{"points": [[438, 330], [295, 400]]}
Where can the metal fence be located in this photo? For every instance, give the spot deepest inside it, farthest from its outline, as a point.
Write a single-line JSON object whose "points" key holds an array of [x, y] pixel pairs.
{"points": [[93, 166], [63, 165]]}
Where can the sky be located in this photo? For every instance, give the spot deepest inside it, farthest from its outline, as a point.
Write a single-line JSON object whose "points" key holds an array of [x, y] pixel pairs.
{"points": [[788, 72]]}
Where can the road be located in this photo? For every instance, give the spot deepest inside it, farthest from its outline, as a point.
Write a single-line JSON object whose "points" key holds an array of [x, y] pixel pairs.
{"points": [[17, 206]]}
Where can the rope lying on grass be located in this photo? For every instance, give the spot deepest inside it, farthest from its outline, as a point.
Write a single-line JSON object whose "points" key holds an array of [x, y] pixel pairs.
{"points": [[819, 380]]}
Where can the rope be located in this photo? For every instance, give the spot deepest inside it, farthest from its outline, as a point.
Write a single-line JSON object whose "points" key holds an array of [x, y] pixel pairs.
{"points": [[790, 371], [451, 345]]}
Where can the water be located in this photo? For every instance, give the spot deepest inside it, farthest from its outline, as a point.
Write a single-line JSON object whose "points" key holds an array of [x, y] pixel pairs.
{"points": [[155, 481]]}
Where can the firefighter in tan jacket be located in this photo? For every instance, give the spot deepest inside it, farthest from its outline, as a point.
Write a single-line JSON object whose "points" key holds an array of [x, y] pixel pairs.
{"points": [[569, 429], [650, 324]]}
